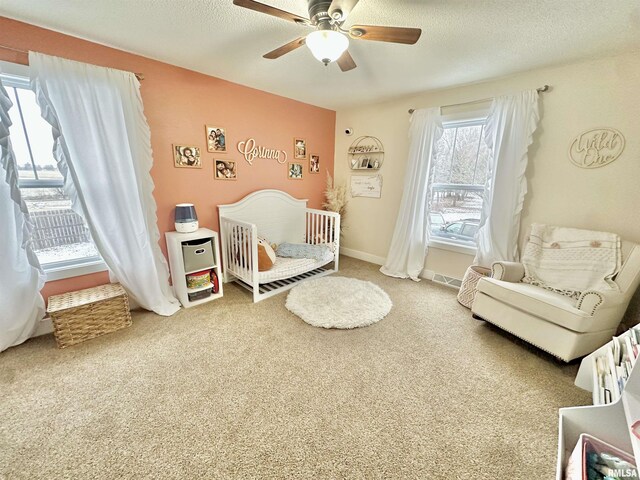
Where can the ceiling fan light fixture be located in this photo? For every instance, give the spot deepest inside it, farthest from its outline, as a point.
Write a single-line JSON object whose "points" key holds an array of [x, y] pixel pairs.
{"points": [[327, 45]]}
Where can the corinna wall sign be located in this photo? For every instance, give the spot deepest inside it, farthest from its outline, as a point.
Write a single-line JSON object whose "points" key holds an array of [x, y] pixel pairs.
{"points": [[251, 151], [596, 148]]}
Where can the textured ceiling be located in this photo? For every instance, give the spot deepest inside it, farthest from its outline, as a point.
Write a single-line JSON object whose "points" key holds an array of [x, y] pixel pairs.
{"points": [[462, 41]]}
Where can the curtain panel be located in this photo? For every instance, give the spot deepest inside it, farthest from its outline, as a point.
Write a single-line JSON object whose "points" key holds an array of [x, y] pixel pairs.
{"points": [[21, 278], [410, 239], [509, 131], [102, 144]]}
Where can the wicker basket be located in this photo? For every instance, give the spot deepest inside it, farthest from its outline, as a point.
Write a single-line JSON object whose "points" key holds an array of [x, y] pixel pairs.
{"points": [[85, 314], [467, 292]]}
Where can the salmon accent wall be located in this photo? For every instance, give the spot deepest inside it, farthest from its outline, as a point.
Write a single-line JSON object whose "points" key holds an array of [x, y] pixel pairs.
{"points": [[178, 103]]}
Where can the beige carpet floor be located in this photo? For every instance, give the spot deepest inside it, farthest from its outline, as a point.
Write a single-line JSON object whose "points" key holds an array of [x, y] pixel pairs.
{"points": [[233, 389]]}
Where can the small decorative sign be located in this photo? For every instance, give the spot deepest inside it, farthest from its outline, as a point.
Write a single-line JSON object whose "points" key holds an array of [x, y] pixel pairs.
{"points": [[364, 148], [596, 148], [366, 186], [251, 151]]}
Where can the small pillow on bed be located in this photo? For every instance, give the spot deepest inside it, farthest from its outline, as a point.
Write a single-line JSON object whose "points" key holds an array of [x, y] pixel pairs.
{"points": [[266, 255], [304, 250]]}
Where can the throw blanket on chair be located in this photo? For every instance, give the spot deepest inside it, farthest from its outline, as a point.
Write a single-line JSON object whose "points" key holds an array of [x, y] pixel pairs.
{"points": [[570, 261]]}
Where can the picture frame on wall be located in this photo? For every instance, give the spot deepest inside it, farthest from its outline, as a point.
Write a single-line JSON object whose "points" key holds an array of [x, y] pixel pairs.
{"points": [[186, 156], [216, 139], [299, 148], [295, 171], [225, 170], [314, 163]]}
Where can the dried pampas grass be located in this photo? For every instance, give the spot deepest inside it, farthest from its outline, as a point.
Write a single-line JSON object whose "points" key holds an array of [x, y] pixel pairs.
{"points": [[335, 197]]}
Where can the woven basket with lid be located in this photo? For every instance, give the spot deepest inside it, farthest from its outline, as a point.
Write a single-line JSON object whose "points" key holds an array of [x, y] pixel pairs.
{"points": [[85, 314]]}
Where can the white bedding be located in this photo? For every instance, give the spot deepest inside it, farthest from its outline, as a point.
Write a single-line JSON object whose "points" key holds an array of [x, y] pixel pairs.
{"points": [[290, 267]]}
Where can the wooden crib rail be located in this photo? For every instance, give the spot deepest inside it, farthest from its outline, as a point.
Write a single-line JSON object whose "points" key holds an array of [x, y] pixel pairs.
{"points": [[323, 228], [239, 249]]}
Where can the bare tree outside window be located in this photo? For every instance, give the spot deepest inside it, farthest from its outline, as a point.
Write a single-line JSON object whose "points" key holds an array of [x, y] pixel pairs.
{"points": [[456, 183]]}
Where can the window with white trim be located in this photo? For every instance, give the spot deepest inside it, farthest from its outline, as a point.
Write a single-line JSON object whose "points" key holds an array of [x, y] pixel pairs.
{"points": [[61, 238], [457, 177]]}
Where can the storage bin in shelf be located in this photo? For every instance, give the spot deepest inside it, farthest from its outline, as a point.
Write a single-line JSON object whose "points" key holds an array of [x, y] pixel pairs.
{"points": [[606, 422], [191, 253], [198, 254]]}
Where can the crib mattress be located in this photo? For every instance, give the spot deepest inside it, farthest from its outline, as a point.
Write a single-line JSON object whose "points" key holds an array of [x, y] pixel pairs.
{"points": [[290, 267]]}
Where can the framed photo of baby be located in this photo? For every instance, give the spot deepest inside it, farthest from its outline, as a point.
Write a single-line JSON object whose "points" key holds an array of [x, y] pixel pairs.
{"points": [[314, 163], [216, 139], [299, 148], [225, 170], [185, 156], [295, 171]]}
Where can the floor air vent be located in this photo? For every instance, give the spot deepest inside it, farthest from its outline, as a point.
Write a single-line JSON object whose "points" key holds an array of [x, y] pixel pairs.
{"points": [[448, 281]]}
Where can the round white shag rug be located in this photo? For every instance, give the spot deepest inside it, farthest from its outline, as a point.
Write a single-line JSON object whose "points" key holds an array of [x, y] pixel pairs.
{"points": [[339, 302]]}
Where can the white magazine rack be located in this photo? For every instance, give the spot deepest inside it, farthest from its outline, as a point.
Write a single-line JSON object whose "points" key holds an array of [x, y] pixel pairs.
{"points": [[610, 422]]}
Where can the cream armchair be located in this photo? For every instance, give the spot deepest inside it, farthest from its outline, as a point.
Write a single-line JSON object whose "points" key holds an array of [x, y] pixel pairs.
{"points": [[556, 323]]}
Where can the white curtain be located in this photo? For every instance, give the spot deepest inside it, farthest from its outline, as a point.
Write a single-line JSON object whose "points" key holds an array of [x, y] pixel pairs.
{"points": [[21, 279], [410, 239], [102, 145], [508, 133]]}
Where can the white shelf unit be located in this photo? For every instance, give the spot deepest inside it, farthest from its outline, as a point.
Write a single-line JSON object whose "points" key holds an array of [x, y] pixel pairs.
{"points": [[611, 422], [175, 242]]}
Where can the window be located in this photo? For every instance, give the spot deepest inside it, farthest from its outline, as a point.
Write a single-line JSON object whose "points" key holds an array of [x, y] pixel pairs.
{"points": [[457, 177], [61, 239]]}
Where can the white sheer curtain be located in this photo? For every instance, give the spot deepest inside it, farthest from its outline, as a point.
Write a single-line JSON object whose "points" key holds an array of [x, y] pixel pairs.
{"points": [[21, 279], [103, 148], [509, 131], [411, 235]]}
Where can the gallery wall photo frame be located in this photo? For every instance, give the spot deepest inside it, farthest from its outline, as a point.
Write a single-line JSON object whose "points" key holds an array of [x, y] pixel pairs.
{"points": [[314, 163], [299, 148], [225, 169], [186, 156], [294, 172], [216, 138]]}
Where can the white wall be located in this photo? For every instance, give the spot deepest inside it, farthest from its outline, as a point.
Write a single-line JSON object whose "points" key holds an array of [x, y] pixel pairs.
{"points": [[600, 93]]}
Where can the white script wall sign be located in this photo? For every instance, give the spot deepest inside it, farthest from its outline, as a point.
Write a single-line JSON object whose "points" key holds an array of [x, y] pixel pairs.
{"points": [[366, 186], [251, 151], [596, 148]]}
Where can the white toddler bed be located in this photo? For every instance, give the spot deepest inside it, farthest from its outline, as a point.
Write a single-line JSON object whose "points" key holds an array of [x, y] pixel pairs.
{"points": [[278, 217]]}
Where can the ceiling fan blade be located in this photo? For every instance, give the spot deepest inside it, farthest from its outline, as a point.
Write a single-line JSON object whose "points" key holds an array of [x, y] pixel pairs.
{"points": [[340, 9], [407, 36], [276, 12], [286, 48], [345, 62]]}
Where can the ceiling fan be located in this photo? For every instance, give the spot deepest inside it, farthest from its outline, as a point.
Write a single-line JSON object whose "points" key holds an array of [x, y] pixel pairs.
{"points": [[329, 41]]}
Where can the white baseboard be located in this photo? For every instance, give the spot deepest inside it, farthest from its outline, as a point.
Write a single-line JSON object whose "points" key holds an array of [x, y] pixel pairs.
{"points": [[427, 274], [367, 257], [45, 326]]}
